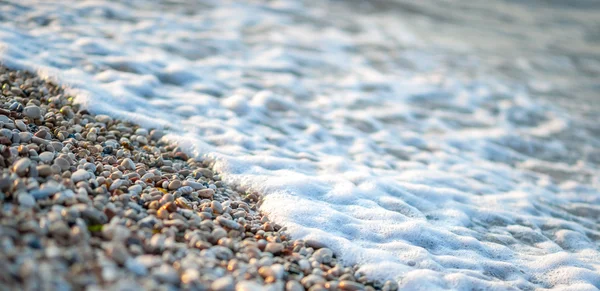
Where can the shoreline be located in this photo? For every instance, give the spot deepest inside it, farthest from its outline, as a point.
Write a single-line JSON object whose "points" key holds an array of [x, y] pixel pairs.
{"points": [[93, 202]]}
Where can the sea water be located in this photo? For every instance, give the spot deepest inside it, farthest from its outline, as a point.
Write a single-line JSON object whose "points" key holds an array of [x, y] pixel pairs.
{"points": [[443, 144]]}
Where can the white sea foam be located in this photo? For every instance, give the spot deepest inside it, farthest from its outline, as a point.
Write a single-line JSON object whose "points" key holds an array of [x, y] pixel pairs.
{"points": [[399, 146]]}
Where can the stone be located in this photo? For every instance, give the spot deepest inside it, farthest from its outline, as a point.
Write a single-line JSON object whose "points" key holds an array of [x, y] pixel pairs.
{"points": [[175, 184], [323, 255], [223, 284], [351, 286], [26, 200], [46, 157], [62, 163], [80, 175], [128, 164], [32, 111], [274, 248], [206, 193], [21, 166]]}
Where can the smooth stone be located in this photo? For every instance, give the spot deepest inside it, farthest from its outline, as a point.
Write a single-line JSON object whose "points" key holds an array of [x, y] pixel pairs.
{"points": [[135, 189], [195, 185], [128, 164], [217, 207], [44, 170], [46, 157], [62, 163], [25, 137], [26, 200], [223, 284], [166, 274], [175, 184], [80, 175], [115, 184], [293, 286], [228, 223], [206, 193], [20, 167], [33, 112], [274, 248], [351, 286], [323, 255], [104, 119], [20, 125], [141, 131], [45, 192], [206, 173], [311, 280], [248, 286], [6, 132]]}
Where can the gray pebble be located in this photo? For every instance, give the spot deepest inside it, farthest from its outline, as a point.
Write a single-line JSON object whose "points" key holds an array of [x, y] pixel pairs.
{"points": [[228, 223], [33, 112], [195, 185], [293, 286], [206, 173], [26, 200], [104, 119], [62, 163], [46, 157], [323, 255], [25, 137], [80, 175], [20, 125], [166, 274], [6, 132]]}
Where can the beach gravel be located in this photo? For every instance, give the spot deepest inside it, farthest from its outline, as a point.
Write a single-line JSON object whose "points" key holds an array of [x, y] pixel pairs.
{"points": [[92, 202]]}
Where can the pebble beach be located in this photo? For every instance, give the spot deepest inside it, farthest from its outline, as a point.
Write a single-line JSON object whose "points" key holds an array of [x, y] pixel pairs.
{"points": [[93, 203], [299, 145]]}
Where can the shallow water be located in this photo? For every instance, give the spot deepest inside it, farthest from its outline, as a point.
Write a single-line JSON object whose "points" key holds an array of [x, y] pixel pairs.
{"points": [[445, 145]]}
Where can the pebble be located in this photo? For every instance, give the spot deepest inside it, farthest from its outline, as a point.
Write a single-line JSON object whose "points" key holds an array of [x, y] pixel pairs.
{"points": [[25, 137], [128, 164], [26, 200], [223, 284], [274, 248], [206, 193], [20, 125], [175, 184], [62, 163], [351, 286], [135, 267], [194, 185], [228, 223], [80, 175], [21, 166], [293, 286], [166, 274], [104, 119], [323, 255], [217, 207], [46, 157], [248, 286], [32, 111]]}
